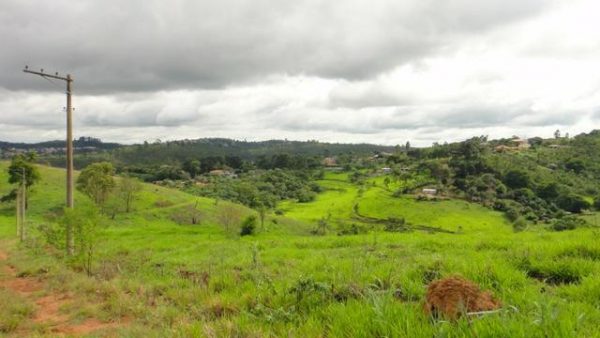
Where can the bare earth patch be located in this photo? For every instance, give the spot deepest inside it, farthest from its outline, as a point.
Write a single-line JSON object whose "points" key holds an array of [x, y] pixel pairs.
{"points": [[48, 307]]}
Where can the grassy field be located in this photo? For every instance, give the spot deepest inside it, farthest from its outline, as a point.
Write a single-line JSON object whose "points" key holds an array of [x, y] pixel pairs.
{"points": [[157, 276]]}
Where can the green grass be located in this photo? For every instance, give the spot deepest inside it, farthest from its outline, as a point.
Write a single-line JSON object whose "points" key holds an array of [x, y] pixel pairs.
{"points": [[200, 280]]}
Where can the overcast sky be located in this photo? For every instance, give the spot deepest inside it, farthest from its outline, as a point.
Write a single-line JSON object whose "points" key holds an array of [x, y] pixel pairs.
{"points": [[378, 71]]}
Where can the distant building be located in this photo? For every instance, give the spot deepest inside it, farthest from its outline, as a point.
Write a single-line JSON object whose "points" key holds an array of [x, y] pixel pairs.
{"points": [[329, 162], [515, 144], [386, 170], [521, 143], [221, 172], [429, 191]]}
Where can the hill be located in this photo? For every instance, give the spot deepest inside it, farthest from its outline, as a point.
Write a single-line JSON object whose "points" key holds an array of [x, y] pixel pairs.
{"points": [[154, 273]]}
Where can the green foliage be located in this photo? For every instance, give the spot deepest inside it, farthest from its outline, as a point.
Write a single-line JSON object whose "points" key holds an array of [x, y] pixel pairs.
{"points": [[575, 165], [597, 203], [21, 167], [468, 159], [572, 203], [567, 223], [248, 226], [128, 191], [14, 310], [87, 223], [395, 224], [261, 189], [519, 224], [200, 281], [97, 182], [517, 179], [229, 216]]}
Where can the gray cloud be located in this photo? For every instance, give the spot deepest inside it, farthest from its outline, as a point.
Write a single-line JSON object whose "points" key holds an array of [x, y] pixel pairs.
{"points": [[378, 71], [112, 46]]}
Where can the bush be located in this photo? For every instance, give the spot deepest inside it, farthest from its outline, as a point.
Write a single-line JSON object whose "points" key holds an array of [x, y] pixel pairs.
{"points": [[516, 179], [519, 224], [572, 203], [549, 192], [597, 203], [567, 223], [248, 226], [575, 165], [305, 196], [395, 224], [512, 214], [350, 229]]}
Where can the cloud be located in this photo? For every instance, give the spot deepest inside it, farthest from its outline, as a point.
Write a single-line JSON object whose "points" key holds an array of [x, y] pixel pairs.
{"points": [[112, 46], [378, 71]]}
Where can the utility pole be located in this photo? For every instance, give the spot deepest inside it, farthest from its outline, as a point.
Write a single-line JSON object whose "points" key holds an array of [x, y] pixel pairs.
{"points": [[18, 212], [23, 205], [69, 80]]}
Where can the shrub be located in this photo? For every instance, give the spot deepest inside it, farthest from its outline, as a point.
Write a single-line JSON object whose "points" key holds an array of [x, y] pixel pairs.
{"points": [[597, 203], [519, 224], [572, 203], [549, 192], [395, 224], [516, 179], [567, 223], [575, 165], [305, 195], [248, 226], [512, 213], [348, 229]]}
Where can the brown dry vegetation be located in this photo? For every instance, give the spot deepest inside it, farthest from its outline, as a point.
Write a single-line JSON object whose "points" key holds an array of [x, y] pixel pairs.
{"points": [[454, 296]]}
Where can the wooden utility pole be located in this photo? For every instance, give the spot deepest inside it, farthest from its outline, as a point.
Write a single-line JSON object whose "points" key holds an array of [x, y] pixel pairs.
{"points": [[18, 212], [70, 202], [23, 205]]}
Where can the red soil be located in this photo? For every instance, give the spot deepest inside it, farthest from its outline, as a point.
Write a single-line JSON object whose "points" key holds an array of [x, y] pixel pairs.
{"points": [[48, 307]]}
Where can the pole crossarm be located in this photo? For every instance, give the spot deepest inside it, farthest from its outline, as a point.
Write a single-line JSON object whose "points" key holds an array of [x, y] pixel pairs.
{"points": [[58, 77]]}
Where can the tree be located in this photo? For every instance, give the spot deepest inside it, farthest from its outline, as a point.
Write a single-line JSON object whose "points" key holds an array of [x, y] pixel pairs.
{"points": [[128, 191], [573, 203], [22, 168], [517, 179], [86, 222], [468, 158], [262, 214], [228, 215], [386, 182], [575, 165], [557, 134], [97, 182], [192, 167], [439, 170], [248, 226], [536, 141]]}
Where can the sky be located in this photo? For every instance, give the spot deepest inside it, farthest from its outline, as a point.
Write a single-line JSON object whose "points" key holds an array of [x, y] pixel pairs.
{"points": [[376, 71]]}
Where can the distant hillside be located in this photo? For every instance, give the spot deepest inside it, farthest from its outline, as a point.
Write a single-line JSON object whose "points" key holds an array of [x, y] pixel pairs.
{"points": [[82, 142], [180, 151]]}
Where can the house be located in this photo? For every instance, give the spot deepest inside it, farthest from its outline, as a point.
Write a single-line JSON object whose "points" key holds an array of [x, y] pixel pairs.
{"points": [[220, 172], [521, 143], [514, 144], [386, 170], [329, 162]]}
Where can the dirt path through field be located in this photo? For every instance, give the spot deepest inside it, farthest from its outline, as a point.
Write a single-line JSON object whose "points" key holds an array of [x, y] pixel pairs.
{"points": [[48, 305]]}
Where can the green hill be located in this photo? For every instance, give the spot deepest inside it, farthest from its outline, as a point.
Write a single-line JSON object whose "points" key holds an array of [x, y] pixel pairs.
{"points": [[157, 274]]}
